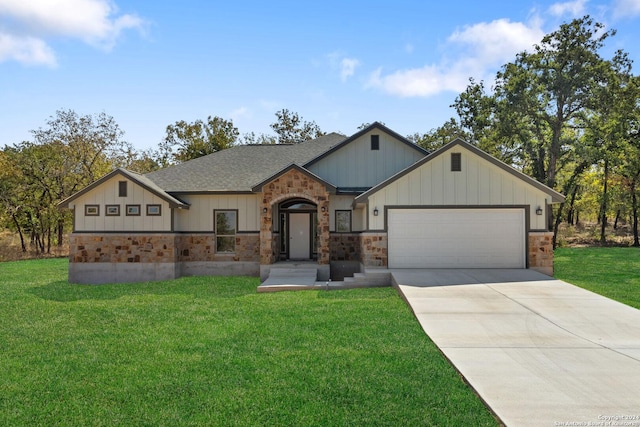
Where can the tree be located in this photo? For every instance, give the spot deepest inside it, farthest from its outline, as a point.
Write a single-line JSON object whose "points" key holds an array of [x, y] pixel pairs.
{"points": [[65, 156], [440, 136], [90, 143], [549, 90], [186, 141], [366, 125], [629, 161], [535, 118], [251, 138], [607, 123], [292, 129], [11, 192]]}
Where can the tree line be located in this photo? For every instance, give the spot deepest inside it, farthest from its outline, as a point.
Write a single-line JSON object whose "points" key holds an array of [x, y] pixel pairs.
{"points": [[561, 113], [72, 151]]}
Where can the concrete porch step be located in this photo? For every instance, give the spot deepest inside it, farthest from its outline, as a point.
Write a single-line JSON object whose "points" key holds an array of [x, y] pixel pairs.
{"points": [[297, 278], [370, 278], [289, 278]]}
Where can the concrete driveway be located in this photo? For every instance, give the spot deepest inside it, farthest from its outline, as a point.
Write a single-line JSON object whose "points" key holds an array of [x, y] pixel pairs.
{"points": [[539, 351]]}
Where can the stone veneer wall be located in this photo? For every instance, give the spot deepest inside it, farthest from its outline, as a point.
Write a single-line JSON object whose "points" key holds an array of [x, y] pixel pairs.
{"points": [[142, 248], [540, 254], [148, 248], [293, 184], [130, 257], [201, 247], [373, 249], [345, 247]]}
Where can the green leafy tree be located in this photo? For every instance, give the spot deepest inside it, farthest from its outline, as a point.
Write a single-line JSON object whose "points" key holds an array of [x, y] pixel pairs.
{"points": [[607, 124], [536, 117], [65, 156], [366, 125], [251, 138], [440, 136], [186, 141], [292, 129], [548, 91]]}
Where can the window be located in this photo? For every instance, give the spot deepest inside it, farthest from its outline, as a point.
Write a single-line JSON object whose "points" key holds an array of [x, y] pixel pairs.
{"points": [[343, 221], [154, 210], [456, 162], [92, 210], [112, 210], [133, 210], [375, 142], [122, 189], [226, 227]]}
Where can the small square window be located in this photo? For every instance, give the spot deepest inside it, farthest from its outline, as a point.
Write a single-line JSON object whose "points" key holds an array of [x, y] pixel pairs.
{"points": [[122, 189], [154, 210], [343, 221], [133, 210], [92, 210], [375, 142], [112, 210], [456, 162]]}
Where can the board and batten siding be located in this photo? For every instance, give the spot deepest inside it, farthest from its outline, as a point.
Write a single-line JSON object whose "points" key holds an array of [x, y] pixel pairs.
{"points": [[199, 217], [107, 194], [479, 183], [343, 202], [356, 165]]}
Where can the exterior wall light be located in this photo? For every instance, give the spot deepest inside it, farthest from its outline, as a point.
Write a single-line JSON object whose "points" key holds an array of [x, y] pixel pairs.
{"points": [[323, 209], [375, 211], [264, 210], [539, 211]]}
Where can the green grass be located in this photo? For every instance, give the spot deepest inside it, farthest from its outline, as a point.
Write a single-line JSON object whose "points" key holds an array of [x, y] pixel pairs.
{"points": [[612, 272], [211, 351]]}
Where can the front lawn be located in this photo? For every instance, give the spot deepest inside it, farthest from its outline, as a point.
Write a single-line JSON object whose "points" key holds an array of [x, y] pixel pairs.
{"points": [[211, 351], [612, 272]]}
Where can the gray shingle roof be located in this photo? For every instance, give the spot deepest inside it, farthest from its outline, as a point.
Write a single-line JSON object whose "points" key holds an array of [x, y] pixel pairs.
{"points": [[239, 168]]}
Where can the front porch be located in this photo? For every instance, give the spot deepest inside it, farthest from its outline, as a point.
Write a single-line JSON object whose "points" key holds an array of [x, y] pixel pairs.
{"points": [[309, 275]]}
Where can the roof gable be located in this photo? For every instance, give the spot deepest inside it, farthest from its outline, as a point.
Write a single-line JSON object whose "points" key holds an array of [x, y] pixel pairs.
{"points": [[258, 187], [555, 196], [138, 179], [373, 126], [364, 160]]}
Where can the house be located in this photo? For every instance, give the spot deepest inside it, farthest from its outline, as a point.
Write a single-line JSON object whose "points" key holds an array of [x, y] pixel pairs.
{"points": [[373, 199]]}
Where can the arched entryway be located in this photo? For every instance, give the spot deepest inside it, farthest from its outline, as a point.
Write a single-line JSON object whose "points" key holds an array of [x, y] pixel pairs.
{"points": [[298, 224]]}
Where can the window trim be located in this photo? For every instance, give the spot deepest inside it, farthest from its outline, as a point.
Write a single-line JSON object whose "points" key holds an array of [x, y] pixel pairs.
{"points": [[456, 162], [338, 211], [115, 212], [88, 210], [215, 228], [122, 188], [133, 210], [151, 206]]}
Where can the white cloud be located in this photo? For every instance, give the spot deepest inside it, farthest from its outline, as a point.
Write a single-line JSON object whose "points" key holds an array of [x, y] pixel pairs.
{"points": [[239, 113], [343, 64], [571, 8], [95, 22], [26, 50], [348, 67], [426, 81], [626, 8], [478, 49]]}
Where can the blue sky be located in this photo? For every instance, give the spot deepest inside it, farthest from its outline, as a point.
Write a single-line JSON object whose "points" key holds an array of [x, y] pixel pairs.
{"points": [[338, 63]]}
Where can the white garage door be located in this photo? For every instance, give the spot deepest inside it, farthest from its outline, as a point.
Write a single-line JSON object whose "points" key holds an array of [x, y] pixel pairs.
{"points": [[456, 238]]}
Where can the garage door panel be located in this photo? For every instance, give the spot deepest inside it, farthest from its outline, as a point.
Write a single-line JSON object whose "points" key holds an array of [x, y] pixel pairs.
{"points": [[456, 238]]}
